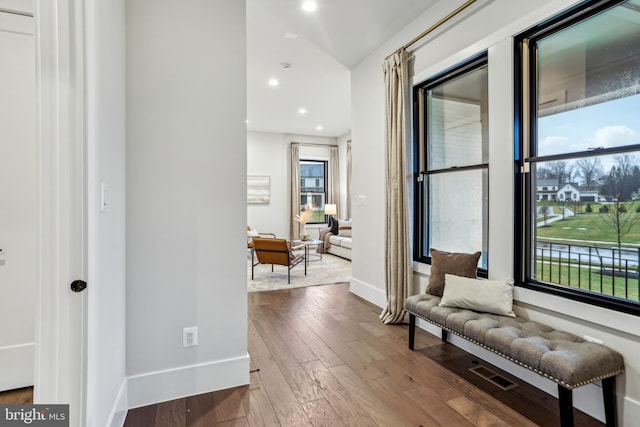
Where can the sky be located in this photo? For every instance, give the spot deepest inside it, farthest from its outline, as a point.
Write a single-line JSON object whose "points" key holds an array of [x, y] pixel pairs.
{"points": [[608, 124]]}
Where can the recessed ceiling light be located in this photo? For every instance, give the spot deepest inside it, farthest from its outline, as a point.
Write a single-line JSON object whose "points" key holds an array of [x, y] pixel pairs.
{"points": [[273, 82], [302, 111], [309, 6], [319, 127]]}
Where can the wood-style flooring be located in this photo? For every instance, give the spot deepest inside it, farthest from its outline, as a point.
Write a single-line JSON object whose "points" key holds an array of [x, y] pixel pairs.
{"points": [[20, 396], [321, 357]]}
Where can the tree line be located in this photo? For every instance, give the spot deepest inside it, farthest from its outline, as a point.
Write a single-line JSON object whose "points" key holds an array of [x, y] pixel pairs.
{"points": [[622, 179]]}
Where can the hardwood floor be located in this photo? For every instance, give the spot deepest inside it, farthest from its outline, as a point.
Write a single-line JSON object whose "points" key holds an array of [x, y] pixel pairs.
{"points": [[20, 396], [321, 357]]}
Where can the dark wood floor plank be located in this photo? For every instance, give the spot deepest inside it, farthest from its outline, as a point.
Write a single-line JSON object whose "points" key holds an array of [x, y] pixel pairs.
{"points": [[141, 417], [201, 411], [378, 409], [261, 412], [405, 410], [342, 402], [229, 403], [475, 413], [284, 401], [171, 414], [336, 342], [321, 414], [322, 351], [19, 396]]}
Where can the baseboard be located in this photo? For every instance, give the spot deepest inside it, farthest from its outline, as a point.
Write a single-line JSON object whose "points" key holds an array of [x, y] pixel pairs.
{"points": [[16, 366], [119, 410], [155, 387], [630, 412], [368, 292], [587, 398]]}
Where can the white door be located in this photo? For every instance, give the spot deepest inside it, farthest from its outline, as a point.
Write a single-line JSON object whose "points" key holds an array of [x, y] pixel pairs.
{"points": [[60, 356], [17, 201]]}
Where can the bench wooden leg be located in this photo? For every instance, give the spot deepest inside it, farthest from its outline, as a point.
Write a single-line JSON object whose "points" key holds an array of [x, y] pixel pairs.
{"points": [[609, 397], [444, 335], [565, 398], [412, 330]]}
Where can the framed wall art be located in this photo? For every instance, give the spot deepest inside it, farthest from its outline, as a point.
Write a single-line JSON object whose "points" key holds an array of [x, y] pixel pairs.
{"points": [[258, 189]]}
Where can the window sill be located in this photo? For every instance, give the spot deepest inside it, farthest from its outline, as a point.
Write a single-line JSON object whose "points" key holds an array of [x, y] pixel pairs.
{"points": [[563, 307]]}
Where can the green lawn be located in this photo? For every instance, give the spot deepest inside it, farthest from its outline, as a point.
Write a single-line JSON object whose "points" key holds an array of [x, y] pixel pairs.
{"points": [[588, 280], [593, 227]]}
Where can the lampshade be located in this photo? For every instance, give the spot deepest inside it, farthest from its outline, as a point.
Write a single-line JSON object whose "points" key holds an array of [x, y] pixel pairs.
{"points": [[330, 209]]}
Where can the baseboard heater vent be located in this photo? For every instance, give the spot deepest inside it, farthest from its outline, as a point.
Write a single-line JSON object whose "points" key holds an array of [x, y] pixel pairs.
{"points": [[493, 377]]}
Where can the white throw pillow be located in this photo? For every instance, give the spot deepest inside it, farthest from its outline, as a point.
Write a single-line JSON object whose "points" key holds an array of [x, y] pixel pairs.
{"points": [[489, 296], [344, 228], [252, 233]]}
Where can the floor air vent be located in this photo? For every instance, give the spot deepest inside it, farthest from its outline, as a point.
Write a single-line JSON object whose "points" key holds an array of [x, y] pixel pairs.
{"points": [[493, 377]]}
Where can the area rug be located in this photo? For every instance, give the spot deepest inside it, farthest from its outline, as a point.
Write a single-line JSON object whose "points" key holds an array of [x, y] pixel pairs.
{"points": [[330, 269]]}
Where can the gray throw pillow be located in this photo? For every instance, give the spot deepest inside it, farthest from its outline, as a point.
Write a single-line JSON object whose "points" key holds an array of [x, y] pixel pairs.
{"points": [[459, 264]]}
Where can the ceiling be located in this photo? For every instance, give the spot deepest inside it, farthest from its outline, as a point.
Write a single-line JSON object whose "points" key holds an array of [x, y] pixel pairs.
{"points": [[330, 41]]}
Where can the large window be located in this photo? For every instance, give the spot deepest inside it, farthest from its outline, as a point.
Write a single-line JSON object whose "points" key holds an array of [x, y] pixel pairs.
{"points": [[451, 162], [579, 150], [313, 189]]}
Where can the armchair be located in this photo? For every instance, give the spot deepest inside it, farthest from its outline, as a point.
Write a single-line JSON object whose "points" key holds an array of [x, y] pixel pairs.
{"points": [[276, 251], [251, 233]]}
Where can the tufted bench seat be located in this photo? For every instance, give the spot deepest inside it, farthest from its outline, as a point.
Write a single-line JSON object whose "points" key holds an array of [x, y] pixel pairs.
{"points": [[565, 358]]}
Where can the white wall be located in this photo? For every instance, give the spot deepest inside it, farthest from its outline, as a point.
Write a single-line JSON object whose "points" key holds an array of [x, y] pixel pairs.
{"points": [[490, 25], [268, 155], [18, 201], [105, 83], [186, 197]]}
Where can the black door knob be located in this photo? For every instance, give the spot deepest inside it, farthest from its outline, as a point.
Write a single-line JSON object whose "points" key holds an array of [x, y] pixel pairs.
{"points": [[78, 285]]}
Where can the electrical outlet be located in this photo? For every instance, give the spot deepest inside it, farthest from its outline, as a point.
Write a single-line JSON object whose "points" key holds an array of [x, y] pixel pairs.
{"points": [[190, 337]]}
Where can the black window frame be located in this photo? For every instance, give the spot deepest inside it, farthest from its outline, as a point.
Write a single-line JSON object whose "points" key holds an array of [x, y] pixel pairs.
{"points": [[420, 208], [325, 164], [522, 185]]}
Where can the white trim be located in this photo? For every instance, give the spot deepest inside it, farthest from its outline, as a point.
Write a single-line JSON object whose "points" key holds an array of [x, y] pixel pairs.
{"points": [[118, 413], [16, 366], [22, 7], [560, 307], [60, 354], [368, 292], [161, 386]]}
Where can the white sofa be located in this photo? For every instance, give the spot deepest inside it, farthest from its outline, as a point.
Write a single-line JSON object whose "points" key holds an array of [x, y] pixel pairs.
{"points": [[339, 238], [340, 246]]}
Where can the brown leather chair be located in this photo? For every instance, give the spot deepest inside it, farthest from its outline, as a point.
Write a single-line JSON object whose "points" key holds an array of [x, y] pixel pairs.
{"points": [[276, 252], [251, 233]]}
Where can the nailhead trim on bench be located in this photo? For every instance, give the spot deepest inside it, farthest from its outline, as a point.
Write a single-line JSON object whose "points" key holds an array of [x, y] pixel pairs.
{"points": [[569, 386]]}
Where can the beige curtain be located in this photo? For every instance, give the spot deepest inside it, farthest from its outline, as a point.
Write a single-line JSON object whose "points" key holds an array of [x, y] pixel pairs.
{"points": [[294, 228], [398, 260], [347, 209], [334, 179]]}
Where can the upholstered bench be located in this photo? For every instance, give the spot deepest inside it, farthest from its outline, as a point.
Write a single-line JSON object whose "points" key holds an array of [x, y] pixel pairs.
{"points": [[565, 358]]}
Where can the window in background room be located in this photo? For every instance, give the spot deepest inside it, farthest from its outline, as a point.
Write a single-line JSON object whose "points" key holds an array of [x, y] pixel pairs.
{"points": [[451, 162], [313, 188], [580, 144]]}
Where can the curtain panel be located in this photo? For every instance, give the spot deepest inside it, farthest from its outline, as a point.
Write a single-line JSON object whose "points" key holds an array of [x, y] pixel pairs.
{"points": [[294, 227], [398, 259], [334, 181], [347, 209]]}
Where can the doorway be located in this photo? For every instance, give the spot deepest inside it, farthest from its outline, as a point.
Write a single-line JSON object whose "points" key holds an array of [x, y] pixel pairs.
{"points": [[18, 196]]}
